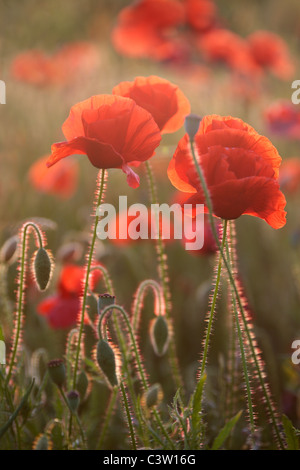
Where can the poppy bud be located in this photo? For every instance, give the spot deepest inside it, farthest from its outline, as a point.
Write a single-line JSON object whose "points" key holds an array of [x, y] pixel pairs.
{"points": [[104, 300], [107, 362], [42, 268], [159, 334], [191, 124], [73, 400], [153, 396], [82, 384], [57, 371], [9, 250], [42, 442]]}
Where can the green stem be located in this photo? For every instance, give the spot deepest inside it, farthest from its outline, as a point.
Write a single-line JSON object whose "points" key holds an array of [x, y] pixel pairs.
{"points": [[163, 274], [108, 415], [82, 434], [238, 298], [139, 297], [21, 289], [243, 355], [131, 430], [100, 193], [213, 306]]}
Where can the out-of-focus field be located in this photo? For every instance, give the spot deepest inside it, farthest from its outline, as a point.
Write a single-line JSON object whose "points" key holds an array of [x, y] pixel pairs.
{"points": [[31, 120]]}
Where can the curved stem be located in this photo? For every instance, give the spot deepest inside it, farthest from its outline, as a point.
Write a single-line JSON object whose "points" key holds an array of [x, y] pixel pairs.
{"points": [[139, 297], [133, 341], [100, 193], [21, 289]]}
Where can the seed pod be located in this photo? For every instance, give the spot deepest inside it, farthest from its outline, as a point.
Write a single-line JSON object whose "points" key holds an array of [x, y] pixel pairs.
{"points": [[104, 300], [57, 372], [159, 334], [107, 361], [191, 124], [42, 442], [73, 400], [42, 268], [9, 250]]}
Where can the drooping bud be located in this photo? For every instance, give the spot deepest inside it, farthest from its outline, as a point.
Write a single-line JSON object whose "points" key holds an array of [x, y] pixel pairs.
{"points": [[42, 268], [57, 371], [42, 442], [153, 396], [191, 124], [73, 400], [105, 300], [159, 334], [9, 250], [107, 361]]}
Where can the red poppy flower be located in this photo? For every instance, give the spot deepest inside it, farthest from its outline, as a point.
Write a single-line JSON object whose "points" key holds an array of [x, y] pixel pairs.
{"points": [[40, 69], [112, 131], [164, 100], [283, 118], [143, 29], [225, 47], [61, 180], [240, 166], [62, 308], [289, 175], [33, 67], [201, 15], [270, 52]]}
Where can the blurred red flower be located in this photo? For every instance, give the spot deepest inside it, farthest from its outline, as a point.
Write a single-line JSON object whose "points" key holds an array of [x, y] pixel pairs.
{"points": [[112, 131], [289, 175], [270, 52], [201, 15], [164, 100], [225, 47], [60, 68], [140, 223], [283, 118], [240, 166], [62, 308], [33, 67], [144, 29], [61, 180]]}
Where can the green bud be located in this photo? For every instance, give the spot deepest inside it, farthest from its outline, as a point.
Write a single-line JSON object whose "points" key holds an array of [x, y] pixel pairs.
{"points": [[42, 268], [153, 396], [42, 442], [73, 400], [107, 362], [159, 334], [82, 384], [57, 372]]}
